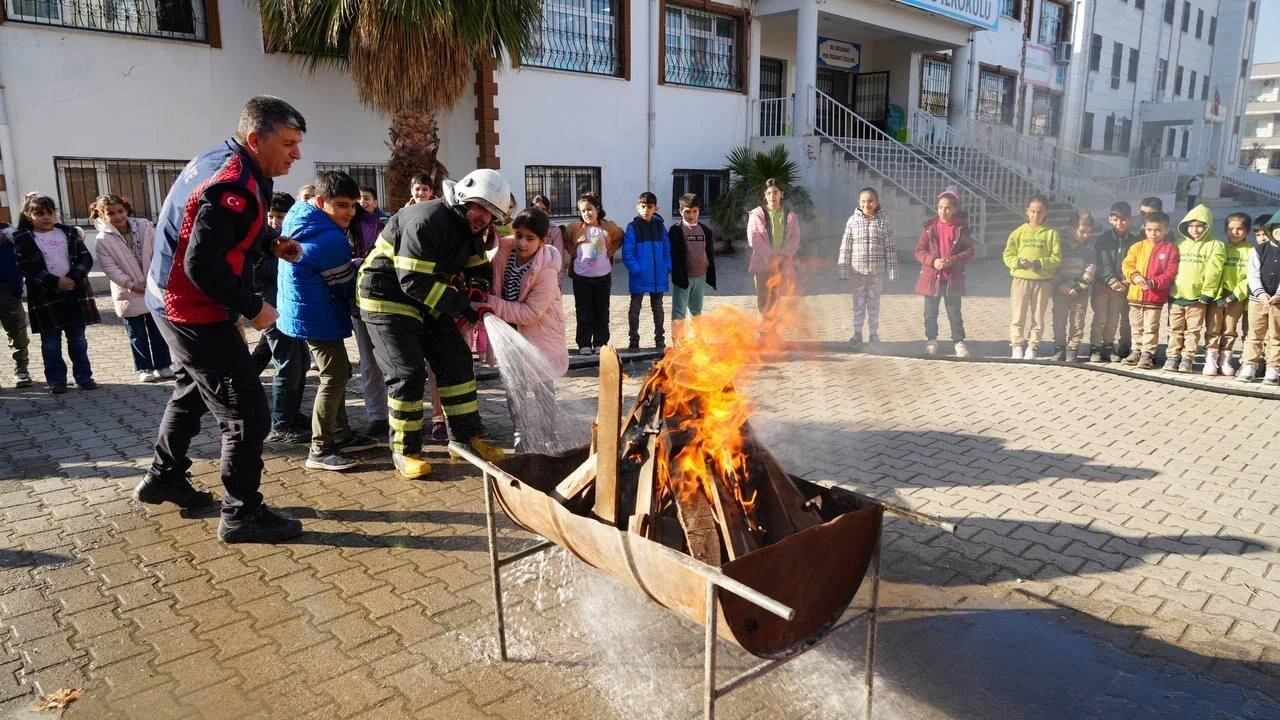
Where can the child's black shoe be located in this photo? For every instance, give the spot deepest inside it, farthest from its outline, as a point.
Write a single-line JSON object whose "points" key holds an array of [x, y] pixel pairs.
{"points": [[180, 492]]}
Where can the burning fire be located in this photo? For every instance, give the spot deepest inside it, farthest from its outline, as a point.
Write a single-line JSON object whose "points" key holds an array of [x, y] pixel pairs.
{"points": [[702, 379]]}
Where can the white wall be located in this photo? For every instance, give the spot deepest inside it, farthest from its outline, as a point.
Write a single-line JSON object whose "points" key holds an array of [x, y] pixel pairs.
{"points": [[89, 94]]}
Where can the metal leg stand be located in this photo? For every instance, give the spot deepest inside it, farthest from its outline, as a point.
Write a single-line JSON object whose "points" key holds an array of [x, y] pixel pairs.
{"points": [[709, 657], [495, 566], [873, 617]]}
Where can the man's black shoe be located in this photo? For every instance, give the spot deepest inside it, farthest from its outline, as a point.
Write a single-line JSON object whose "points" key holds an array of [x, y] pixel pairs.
{"points": [[179, 492], [263, 525]]}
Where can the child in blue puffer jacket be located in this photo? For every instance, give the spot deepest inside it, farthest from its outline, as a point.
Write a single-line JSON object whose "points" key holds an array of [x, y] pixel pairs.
{"points": [[315, 295], [646, 251]]}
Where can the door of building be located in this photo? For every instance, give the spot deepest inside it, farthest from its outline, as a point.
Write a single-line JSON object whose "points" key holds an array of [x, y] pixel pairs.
{"points": [[866, 94], [773, 119]]}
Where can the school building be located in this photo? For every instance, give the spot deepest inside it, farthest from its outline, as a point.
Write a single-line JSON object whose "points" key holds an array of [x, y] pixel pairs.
{"points": [[1000, 98]]}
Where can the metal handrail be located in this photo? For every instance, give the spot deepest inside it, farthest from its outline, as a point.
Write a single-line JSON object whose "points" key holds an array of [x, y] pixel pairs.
{"points": [[772, 116], [1006, 185], [889, 159], [1253, 181]]}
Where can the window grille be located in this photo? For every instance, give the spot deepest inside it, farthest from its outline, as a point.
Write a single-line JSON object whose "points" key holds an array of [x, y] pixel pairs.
{"points": [[580, 36], [562, 185], [702, 49], [174, 19]]}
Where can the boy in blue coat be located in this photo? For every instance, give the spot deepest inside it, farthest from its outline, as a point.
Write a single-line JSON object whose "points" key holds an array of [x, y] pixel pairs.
{"points": [[315, 295], [646, 251]]}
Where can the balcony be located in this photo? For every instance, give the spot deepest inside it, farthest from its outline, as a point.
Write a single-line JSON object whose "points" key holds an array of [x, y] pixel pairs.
{"points": [[172, 19], [1262, 108]]}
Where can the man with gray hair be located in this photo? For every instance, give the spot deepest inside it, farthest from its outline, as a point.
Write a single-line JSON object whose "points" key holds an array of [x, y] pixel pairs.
{"points": [[199, 284]]}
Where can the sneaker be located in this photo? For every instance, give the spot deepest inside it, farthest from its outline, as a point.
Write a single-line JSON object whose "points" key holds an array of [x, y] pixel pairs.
{"points": [[1132, 358], [180, 492], [873, 341], [57, 389], [1016, 352], [1210, 363], [87, 385], [487, 451], [165, 373], [1248, 373], [148, 376], [1228, 370], [330, 459], [1187, 365], [290, 436], [660, 346], [1096, 356], [1171, 364], [439, 432], [1272, 377], [1123, 351], [22, 379], [262, 525], [1030, 354], [379, 429], [356, 443], [856, 341], [585, 351], [1146, 361], [962, 351], [1061, 355], [931, 348], [633, 346], [412, 467], [1073, 355]]}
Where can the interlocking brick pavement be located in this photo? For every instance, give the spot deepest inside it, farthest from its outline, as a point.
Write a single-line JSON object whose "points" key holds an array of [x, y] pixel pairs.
{"points": [[1142, 510]]}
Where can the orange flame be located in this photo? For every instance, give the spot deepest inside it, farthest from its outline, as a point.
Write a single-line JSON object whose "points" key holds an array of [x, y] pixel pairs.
{"points": [[703, 377]]}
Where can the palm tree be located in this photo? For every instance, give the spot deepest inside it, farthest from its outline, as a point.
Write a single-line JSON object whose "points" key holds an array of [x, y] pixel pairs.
{"points": [[410, 59], [749, 170]]}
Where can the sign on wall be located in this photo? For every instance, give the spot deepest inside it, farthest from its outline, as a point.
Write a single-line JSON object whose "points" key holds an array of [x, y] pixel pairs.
{"points": [[839, 54], [983, 13], [1039, 69]]}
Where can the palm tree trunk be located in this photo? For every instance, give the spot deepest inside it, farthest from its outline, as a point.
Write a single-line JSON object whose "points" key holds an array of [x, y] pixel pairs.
{"points": [[415, 142]]}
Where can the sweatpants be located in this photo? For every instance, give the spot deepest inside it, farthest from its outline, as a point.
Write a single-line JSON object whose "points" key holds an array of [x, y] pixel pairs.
{"points": [[1028, 302], [1186, 322], [1068, 318], [1222, 325], [1110, 326], [14, 319], [404, 348], [1145, 321], [216, 375], [633, 318], [866, 301], [591, 305]]}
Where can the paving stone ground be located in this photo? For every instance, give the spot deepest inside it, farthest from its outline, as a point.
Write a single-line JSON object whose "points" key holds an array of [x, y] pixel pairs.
{"points": [[1143, 515]]}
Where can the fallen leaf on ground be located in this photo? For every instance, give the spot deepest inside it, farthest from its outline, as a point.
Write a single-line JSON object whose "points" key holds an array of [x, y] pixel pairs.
{"points": [[60, 699]]}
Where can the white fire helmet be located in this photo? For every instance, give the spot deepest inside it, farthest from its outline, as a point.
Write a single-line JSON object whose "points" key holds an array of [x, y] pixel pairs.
{"points": [[487, 188]]}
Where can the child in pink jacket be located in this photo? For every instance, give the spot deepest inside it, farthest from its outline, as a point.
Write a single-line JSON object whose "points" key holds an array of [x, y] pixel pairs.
{"points": [[123, 248], [526, 295], [773, 233]]}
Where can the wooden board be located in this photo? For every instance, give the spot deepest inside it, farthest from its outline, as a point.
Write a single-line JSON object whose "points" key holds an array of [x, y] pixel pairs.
{"points": [[700, 531], [608, 428], [738, 540], [576, 482]]}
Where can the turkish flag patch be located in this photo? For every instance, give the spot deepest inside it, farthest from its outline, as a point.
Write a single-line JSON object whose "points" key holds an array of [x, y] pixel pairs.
{"points": [[232, 202]]}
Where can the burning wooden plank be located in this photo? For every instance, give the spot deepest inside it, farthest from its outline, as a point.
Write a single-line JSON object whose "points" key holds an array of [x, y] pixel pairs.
{"points": [[608, 423], [700, 529]]}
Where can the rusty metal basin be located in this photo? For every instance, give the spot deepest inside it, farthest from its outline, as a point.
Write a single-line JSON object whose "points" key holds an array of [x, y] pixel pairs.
{"points": [[816, 571]]}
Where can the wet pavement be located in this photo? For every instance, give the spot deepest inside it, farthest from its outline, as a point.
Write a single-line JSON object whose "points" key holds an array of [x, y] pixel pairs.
{"points": [[1115, 555]]}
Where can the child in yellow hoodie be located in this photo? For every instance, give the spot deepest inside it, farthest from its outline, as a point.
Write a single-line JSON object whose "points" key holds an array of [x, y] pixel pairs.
{"points": [[1032, 254], [1200, 258], [1223, 320]]}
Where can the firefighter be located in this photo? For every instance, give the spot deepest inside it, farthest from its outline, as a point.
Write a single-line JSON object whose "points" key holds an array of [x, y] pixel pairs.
{"points": [[424, 282]]}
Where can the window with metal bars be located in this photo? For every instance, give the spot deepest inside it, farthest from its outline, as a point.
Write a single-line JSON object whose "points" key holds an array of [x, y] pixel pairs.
{"points": [[995, 97], [144, 182], [1051, 23], [935, 85], [703, 49], [1046, 113], [562, 185], [580, 36], [1011, 8], [372, 175], [173, 19], [708, 185]]}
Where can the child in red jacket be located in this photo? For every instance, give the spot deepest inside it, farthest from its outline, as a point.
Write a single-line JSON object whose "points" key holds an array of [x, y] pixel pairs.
{"points": [[1150, 268]]}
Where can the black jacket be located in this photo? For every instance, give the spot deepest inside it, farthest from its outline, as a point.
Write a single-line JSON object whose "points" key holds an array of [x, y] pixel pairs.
{"points": [[1109, 250], [679, 259]]}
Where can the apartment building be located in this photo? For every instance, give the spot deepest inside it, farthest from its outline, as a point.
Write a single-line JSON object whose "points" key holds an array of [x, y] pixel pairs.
{"points": [[1260, 138]]}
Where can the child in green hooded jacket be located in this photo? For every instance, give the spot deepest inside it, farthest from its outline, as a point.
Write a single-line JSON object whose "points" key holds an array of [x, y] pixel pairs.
{"points": [[1222, 322], [1032, 254], [1200, 260]]}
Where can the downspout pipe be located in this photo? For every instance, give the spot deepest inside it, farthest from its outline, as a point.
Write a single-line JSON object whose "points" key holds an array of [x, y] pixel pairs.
{"points": [[651, 159], [12, 196]]}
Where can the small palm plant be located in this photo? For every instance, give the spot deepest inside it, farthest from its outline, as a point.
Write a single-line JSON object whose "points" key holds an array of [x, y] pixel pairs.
{"points": [[748, 171]]}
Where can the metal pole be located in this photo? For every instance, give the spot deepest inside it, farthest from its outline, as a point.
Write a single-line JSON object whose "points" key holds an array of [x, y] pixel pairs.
{"points": [[709, 667], [494, 566], [874, 611]]}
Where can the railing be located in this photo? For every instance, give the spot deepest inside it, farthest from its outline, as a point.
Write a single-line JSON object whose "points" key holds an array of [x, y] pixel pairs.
{"points": [[174, 19], [1055, 169], [896, 163], [1255, 182], [772, 117], [1007, 186], [1101, 193]]}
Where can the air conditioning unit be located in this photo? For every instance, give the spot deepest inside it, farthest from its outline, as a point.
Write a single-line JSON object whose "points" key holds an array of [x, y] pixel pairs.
{"points": [[1062, 53]]}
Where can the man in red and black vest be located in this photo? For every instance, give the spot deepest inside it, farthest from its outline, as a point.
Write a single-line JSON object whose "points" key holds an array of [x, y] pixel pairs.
{"points": [[200, 283]]}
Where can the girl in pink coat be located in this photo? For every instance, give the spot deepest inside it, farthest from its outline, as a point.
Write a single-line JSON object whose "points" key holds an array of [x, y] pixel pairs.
{"points": [[526, 294], [773, 234], [123, 248]]}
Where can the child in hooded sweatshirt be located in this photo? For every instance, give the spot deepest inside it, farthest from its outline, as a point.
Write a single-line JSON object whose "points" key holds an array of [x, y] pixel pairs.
{"points": [[1032, 254], [1264, 307], [1071, 289], [646, 251], [1150, 267], [1222, 321], [1200, 258]]}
